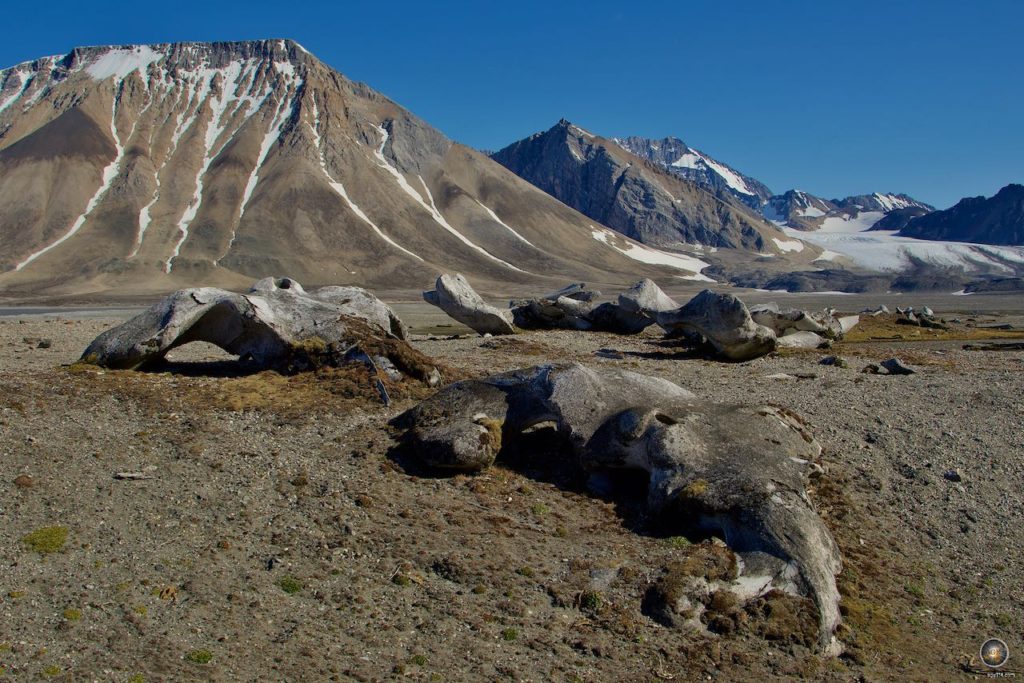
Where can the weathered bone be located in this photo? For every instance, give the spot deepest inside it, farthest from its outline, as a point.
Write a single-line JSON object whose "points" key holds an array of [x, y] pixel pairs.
{"points": [[573, 308], [788, 321], [725, 322], [455, 296], [647, 297], [273, 325], [738, 471]]}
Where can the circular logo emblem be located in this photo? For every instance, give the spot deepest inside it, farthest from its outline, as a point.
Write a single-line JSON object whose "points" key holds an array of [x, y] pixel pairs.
{"points": [[994, 653]]}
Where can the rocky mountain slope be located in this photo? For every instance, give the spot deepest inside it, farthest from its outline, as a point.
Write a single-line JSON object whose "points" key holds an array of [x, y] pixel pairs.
{"points": [[146, 168], [686, 162], [995, 220], [637, 197]]}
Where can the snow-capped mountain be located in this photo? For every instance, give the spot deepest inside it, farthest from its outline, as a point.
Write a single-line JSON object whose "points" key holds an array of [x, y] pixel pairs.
{"points": [[862, 232], [804, 211], [146, 168], [637, 197], [680, 159], [797, 209]]}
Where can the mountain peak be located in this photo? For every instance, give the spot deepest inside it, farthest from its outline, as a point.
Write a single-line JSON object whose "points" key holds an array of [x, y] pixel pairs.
{"points": [[105, 61], [570, 128], [686, 162]]}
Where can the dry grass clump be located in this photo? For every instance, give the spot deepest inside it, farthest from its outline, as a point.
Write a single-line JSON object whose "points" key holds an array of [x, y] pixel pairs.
{"points": [[316, 377], [885, 328]]}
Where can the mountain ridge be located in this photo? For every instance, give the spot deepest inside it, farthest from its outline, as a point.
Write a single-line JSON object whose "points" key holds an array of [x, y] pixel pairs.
{"points": [[215, 163], [997, 220], [633, 195]]}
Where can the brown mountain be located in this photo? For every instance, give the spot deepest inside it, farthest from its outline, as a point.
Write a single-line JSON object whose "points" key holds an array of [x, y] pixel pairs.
{"points": [[141, 169]]}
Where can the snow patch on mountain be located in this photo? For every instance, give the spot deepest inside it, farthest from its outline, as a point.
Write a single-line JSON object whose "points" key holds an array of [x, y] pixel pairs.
{"points": [[697, 161], [503, 223], [108, 175], [850, 224], [810, 212], [653, 256], [431, 208], [122, 61], [340, 189], [23, 81], [228, 79], [788, 245]]}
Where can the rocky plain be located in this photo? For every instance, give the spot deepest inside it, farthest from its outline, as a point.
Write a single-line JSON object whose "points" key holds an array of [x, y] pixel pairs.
{"points": [[201, 521]]}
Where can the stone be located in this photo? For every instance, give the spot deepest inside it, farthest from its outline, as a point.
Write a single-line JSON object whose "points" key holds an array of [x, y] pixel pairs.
{"points": [[724, 321], [875, 312], [455, 296], [276, 325], [736, 471], [609, 317], [782, 321], [848, 322], [559, 314], [953, 475], [933, 324], [577, 312], [785, 321], [896, 367], [577, 291], [801, 340], [646, 297], [360, 303]]}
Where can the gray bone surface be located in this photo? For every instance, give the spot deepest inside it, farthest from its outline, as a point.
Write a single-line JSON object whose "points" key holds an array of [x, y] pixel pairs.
{"points": [[265, 326], [737, 471], [574, 308], [646, 297], [801, 340], [725, 322], [789, 320], [455, 296]]}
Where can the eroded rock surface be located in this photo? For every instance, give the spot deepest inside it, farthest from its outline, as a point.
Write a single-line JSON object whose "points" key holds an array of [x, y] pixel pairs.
{"points": [[724, 321], [735, 471], [575, 308], [646, 297], [277, 324], [454, 295]]}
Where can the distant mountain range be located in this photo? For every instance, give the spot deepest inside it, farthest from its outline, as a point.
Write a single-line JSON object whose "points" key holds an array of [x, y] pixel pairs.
{"points": [[667, 193], [135, 170], [639, 198]]}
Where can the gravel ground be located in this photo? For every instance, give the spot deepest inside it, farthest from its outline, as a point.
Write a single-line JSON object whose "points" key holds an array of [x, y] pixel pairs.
{"points": [[273, 532]]}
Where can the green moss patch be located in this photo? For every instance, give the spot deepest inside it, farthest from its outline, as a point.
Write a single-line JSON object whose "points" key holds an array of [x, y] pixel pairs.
{"points": [[50, 539]]}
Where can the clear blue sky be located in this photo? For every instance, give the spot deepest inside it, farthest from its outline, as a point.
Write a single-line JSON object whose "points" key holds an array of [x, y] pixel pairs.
{"points": [[834, 98]]}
